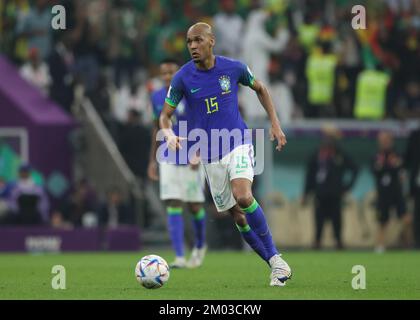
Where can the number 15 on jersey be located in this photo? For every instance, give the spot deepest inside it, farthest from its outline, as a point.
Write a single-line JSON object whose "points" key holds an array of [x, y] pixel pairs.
{"points": [[212, 105]]}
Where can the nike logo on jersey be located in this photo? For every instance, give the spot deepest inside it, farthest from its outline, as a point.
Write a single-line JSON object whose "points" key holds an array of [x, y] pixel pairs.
{"points": [[195, 90]]}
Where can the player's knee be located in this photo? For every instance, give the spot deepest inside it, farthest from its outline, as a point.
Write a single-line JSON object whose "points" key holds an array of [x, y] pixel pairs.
{"points": [[244, 200]]}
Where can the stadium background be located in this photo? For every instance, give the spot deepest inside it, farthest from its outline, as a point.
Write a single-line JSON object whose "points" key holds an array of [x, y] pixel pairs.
{"points": [[82, 120]]}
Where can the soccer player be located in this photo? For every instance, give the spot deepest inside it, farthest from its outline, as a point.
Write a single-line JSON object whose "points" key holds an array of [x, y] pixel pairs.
{"points": [[210, 85], [174, 193]]}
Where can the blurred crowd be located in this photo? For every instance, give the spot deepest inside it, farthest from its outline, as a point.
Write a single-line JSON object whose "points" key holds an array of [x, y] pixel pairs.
{"points": [[25, 202], [316, 64]]}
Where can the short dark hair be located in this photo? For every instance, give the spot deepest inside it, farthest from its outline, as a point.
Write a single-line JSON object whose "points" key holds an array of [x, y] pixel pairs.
{"points": [[170, 60]]}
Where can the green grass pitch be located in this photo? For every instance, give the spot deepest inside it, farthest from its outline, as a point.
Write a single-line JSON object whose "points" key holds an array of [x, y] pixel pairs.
{"points": [[224, 275]]}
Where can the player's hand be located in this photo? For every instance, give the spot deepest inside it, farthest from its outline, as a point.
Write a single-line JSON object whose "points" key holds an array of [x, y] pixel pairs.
{"points": [[152, 171], [278, 134], [174, 142]]}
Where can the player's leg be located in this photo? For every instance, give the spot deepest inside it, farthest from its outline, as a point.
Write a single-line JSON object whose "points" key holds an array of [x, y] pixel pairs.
{"points": [[193, 195], [241, 174], [199, 227], [170, 193], [241, 190], [199, 224], [174, 210], [247, 233], [217, 177]]}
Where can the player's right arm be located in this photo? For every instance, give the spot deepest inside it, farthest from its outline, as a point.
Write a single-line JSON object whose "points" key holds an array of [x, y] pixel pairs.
{"points": [[173, 141], [173, 97]]}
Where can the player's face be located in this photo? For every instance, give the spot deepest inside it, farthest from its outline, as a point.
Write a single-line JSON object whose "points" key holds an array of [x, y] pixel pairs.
{"points": [[200, 45], [167, 71]]}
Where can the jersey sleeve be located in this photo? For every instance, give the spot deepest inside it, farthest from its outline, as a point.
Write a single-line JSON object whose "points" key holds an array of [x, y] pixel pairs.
{"points": [[246, 77], [175, 91]]}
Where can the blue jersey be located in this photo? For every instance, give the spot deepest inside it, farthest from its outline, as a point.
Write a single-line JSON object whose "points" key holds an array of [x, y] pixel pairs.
{"points": [[212, 102], [158, 99]]}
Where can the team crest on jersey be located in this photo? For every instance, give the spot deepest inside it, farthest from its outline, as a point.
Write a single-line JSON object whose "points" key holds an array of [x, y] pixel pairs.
{"points": [[225, 84]]}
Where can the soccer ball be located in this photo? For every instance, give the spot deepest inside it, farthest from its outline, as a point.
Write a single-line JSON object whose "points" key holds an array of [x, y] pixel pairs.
{"points": [[152, 271]]}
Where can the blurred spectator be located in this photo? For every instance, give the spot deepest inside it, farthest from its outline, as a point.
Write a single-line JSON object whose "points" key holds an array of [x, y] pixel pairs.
{"points": [[36, 28], [37, 72], [227, 26], [412, 163], [100, 97], [126, 98], [12, 13], [408, 105], [134, 144], [348, 49], [57, 221], [258, 44], [115, 212], [280, 91], [308, 32], [292, 63], [371, 94], [61, 65], [327, 177], [85, 48], [124, 39], [28, 202], [387, 168], [81, 201], [321, 70]]}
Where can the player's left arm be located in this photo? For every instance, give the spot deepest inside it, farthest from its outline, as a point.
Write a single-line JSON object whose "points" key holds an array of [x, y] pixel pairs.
{"points": [[267, 102]]}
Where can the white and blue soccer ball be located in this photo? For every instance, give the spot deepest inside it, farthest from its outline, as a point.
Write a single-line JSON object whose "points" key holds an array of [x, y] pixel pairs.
{"points": [[152, 271]]}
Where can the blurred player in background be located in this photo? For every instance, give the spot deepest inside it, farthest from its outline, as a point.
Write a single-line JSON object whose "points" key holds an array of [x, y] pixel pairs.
{"points": [[178, 183], [210, 85], [387, 168]]}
